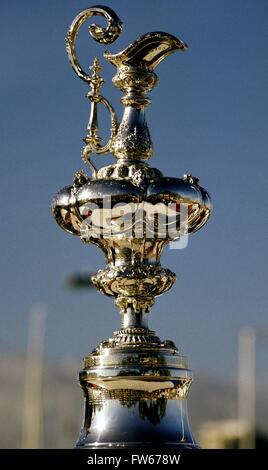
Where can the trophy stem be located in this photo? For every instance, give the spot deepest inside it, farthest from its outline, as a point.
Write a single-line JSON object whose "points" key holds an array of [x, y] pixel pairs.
{"points": [[130, 318]]}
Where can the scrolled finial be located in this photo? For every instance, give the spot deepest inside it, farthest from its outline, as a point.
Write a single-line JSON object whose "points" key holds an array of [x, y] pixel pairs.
{"points": [[102, 35]]}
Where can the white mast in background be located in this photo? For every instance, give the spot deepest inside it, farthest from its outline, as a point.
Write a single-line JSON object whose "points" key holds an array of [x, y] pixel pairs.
{"points": [[32, 406], [247, 385]]}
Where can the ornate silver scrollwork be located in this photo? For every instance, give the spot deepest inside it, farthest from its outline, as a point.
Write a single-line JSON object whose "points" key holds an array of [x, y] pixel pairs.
{"points": [[92, 139], [104, 36], [99, 34]]}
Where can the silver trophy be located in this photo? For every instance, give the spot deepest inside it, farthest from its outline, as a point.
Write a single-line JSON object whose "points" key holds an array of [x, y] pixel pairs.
{"points": [[135, 384]]}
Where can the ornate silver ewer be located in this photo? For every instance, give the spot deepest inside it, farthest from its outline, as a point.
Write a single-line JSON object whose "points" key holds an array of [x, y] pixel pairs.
{"points": [[135, 385]]}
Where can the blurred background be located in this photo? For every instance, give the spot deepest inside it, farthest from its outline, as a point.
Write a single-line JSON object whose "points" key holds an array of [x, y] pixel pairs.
{"points": [[208, 118]]}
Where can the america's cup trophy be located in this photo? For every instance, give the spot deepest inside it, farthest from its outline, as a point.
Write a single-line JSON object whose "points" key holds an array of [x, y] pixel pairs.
{"points": [[135, 384]]}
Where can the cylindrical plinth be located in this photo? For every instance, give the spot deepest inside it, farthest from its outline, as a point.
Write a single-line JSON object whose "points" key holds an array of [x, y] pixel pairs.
{"points": [[135, 396]]}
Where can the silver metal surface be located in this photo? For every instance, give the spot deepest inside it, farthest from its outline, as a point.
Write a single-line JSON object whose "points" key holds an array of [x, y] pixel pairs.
{"points": [[135, 385], [131, 421], [135, 394]]}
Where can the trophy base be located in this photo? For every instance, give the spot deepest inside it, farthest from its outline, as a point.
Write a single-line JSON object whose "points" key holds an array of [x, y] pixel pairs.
{"points": [[138, 446], [131, 424], [136, 396]]}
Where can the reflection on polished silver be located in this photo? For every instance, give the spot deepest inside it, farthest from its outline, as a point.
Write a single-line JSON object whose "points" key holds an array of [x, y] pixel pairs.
{"points": [[135, 385]]}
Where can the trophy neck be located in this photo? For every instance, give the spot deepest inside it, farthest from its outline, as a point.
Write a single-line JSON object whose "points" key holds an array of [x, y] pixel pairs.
{"points": [[133, 319]]}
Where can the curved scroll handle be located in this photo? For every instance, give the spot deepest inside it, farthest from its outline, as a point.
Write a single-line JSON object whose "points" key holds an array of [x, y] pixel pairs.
{"points": [[102, 35], [92, 139]]}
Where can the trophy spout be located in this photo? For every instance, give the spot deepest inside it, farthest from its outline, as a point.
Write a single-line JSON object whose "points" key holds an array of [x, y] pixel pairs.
{"points": [[147, 51], [136, 77]]}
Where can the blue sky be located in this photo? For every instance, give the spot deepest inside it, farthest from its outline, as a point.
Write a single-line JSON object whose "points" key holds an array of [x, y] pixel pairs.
{"points": [[208, 117]]}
